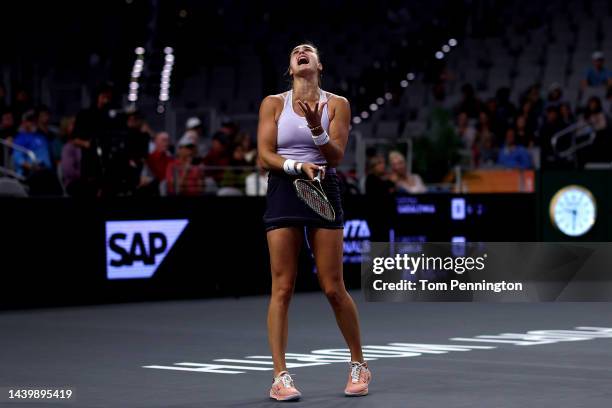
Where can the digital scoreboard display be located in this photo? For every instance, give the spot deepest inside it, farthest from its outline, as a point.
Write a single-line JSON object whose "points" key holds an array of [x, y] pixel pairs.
{"points": [[441, 218]]}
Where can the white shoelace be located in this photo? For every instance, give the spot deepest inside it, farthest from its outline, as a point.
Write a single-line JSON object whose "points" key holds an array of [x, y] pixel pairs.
{"points": [[286, 380], [356, 371]]}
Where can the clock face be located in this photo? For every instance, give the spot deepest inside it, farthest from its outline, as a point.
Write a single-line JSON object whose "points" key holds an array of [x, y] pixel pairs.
{"points": [[573, 210]]}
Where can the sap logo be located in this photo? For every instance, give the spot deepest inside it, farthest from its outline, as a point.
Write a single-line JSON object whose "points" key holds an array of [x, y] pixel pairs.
{"points": [[356, 229], [135, 249]]}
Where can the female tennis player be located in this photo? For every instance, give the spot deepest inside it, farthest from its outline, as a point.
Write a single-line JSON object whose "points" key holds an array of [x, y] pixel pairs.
{"points": [[303, 132]]}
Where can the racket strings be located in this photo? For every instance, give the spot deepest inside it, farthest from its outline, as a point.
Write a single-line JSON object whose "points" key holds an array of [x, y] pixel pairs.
{"points": [[314, 199]]}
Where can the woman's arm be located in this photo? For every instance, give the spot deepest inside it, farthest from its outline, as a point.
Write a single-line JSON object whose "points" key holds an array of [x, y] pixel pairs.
{"points": [[266, 134], [338, 132]]}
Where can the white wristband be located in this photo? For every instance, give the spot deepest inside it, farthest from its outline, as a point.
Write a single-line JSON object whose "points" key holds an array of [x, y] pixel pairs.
{"points": [[322, 139], [289, 167], [298, 167]]}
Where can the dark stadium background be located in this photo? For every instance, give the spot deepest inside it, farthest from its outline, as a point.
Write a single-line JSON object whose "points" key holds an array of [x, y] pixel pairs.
{"points": [[442, 82]]}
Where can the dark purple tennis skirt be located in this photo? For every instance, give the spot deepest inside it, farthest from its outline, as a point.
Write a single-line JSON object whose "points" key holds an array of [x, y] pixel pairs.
{"points": [[285, 209]]}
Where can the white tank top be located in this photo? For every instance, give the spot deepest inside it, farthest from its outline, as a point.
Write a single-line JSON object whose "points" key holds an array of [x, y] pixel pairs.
{"points": [[294, 139]]}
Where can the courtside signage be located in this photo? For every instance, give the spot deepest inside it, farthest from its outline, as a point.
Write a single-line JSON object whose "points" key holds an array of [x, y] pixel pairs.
{"points": [[356, 240], [135, 249]]}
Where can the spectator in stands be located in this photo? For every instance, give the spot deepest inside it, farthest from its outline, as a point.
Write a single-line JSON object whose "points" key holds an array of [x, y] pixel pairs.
{"points": [[484, 152], [7, 125], [38, 169], [492, 120], [138, 136], [235, 177], [532, 119], [377, 181], [555, 95], [595, 115], [484, 130], [194, 125], [43, 117], [601, 149], [71, 160], [7, 132], [256, 183], [551, 126], [597, 75], [22, 102], [160, 158], [465, 130], [237, 156], [192, 134], [155, 167], [405, 182], [183, 177], [218, 156], [246, 143], [136, 148], [536, 103], [512, 155], [524, 136], [505, 109], [484, 149], [66, 130], [91, 130], [230, 129], [567, 116], [470, 104], [29, 138]]}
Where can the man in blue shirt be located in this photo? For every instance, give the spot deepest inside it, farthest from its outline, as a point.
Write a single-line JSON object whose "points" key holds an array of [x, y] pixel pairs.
{"points": [[30, 139], [597, 75]]}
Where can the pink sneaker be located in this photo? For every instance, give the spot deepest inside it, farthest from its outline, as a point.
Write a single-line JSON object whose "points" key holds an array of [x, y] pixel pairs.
{"points": [[283, 388], [359, 378]]}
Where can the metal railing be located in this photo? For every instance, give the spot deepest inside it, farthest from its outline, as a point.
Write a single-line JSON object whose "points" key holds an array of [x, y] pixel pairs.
{"points": [[200, 179], [8, 169], [581, 134]]}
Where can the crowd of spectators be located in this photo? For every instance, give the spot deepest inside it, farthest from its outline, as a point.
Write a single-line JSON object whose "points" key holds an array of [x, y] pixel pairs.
{"points": [[102, 151], [397, 178], [109, 151], [498, 132]]}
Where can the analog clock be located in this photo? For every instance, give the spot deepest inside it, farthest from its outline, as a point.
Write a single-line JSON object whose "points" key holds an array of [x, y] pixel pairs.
{"points": [[573, 210]]}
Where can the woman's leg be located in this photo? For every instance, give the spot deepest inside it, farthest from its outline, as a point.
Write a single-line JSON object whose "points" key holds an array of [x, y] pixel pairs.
{"points": [[284, 245], [328, 249]]}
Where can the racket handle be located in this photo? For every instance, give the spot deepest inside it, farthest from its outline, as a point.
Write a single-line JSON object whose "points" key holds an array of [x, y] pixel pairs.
{"points": [[318, 175]]}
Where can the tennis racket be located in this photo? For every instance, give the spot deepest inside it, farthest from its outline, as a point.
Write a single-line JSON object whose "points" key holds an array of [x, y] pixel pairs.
{"points": [[312, 194]]}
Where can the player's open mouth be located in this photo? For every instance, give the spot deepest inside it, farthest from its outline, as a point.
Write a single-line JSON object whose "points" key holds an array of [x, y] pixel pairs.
{"points": [[303, 60]]}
